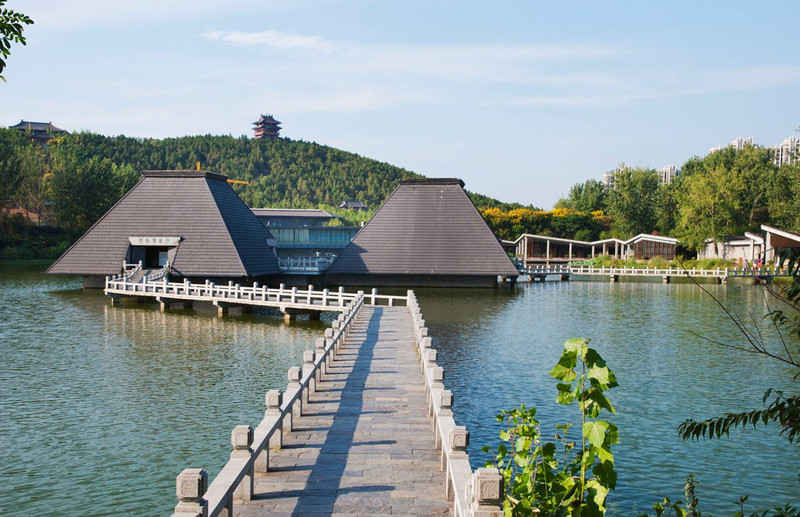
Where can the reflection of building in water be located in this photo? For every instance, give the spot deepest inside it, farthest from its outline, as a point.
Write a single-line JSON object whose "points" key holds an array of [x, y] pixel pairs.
{"points": [[187, 224]]}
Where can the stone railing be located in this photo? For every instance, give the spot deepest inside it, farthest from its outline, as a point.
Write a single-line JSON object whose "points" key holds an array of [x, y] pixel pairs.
{"points": [[663, 272], [251, 445], [478, 493]]}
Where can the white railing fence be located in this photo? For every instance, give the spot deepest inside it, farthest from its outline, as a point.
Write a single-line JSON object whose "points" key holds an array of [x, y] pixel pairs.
{"points": [[672, 271], [473, 493], [251, 445]]}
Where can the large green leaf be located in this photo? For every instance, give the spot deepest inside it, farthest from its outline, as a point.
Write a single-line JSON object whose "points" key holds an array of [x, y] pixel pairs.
{"points": [[564, 370], [595, 432]]}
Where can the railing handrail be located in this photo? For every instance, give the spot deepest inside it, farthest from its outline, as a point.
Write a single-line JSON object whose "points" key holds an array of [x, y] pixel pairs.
{"points": [[646, 271], [252, 455]]}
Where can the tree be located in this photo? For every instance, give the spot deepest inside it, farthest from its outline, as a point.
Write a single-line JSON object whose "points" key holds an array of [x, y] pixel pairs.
{"points": [[632, 201], [585, 197], [11, 26], [10, 163]]}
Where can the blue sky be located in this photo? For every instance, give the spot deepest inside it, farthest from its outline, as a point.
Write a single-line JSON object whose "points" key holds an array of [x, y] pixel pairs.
{"points": [[519, 99]]}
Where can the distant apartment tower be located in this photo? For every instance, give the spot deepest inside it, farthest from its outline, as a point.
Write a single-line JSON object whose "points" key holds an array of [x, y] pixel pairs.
{"points": [[608, 179], [738, 144], [668, 173], [266, 127], [787, 152]]}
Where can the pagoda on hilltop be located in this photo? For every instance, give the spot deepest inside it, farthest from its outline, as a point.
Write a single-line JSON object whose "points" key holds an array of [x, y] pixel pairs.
{"points": [[266, 127]]}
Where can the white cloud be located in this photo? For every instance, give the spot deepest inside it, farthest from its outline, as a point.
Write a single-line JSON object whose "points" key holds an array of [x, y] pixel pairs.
{"points": [[273, 40]]}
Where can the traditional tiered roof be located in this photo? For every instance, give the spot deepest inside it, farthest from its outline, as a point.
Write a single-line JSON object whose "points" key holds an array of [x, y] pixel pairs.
{"points": [[266, 127], [427, 227], [218, 234], [41, 131]]}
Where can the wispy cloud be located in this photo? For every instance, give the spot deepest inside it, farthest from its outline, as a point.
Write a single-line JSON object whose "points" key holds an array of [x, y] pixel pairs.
{"points": [[276, 40]]}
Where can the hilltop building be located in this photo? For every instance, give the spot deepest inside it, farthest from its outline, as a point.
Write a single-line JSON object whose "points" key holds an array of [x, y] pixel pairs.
{"points": [[266, 127], [427, 233], [354, 205], [185, 224], [40, 132]]}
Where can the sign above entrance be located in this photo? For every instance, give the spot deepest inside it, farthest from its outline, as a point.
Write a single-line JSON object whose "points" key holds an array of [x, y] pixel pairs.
{"points": [[154, 241]]}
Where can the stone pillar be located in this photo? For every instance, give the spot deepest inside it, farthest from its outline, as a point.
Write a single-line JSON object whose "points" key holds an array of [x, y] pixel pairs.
{"points": [[241, 441], [308, 371], [274, 401], [458, 442], [485, 493], [190, 487], [297, 407], [445, 410], [319, 346]]}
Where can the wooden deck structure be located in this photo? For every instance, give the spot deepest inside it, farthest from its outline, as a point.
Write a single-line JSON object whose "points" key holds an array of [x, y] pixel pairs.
{"points": [[365, 426]]}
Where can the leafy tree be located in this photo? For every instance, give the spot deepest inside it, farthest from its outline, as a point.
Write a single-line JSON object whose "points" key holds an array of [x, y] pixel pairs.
{"points": [[632, 200], [11, 27], [585, 197], [10, 164]]}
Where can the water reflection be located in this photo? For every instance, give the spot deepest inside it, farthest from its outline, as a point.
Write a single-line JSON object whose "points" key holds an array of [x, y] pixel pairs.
{"points": [[648, 333]]}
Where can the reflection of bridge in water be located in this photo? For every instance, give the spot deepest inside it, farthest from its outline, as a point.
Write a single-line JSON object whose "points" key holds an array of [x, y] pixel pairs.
{"points": [[666, 274], [364, 426]]}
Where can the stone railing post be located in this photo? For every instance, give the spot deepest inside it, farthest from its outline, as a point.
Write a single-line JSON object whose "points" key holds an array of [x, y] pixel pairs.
{"points": [[292, 388], [308, 371], [332, 352], [458, 442], [445, 410], [274, 401], [242, 441], [485, 493], [319, 351], [190, 486]]}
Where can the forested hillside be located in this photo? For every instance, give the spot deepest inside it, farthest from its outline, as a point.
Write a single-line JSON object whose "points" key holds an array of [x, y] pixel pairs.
{"points": [[74, 179]]}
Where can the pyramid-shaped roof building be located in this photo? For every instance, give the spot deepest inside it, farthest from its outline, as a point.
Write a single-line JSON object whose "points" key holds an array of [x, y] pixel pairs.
{"points": [[193, 217], [427, 232]]}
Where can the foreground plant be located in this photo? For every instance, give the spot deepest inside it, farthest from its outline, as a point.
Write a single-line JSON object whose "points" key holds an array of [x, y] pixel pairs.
{"points": [[569, 478]]}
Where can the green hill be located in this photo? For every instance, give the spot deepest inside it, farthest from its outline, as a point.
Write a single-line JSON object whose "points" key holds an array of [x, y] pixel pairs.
{"points": [[280, 173]]}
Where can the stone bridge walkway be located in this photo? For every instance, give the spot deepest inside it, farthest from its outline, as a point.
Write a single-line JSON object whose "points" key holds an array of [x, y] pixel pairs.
{"points": [[364, 444]]}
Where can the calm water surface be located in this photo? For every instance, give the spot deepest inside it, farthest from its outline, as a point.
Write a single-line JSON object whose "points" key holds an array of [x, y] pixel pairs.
{"points": [[102, 407]]}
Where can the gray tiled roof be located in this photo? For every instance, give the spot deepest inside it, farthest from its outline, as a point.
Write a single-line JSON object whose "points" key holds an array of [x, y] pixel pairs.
{"points": [[37, 126], [220, 236], [426, 227]]}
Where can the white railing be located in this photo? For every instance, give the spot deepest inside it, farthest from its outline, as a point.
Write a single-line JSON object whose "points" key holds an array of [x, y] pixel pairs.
{"points": [[246, 295], [251, 445], [128, 270], [162, 273], [471, 492], [663, 272]]}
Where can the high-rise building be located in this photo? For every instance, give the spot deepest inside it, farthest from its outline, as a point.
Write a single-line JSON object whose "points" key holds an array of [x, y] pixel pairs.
{"points": [[738, 144], [608, 179], [787, 152], [668, 173]]}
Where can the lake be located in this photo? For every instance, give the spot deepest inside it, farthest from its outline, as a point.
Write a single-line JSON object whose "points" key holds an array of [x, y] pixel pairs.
{"points": [[102, 407]]}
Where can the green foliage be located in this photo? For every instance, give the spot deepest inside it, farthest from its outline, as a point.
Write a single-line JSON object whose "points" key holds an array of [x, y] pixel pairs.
{"points": [[725, 193], [11, 27], [632, 201], [537, 479], [21, 239], [585, 197]]}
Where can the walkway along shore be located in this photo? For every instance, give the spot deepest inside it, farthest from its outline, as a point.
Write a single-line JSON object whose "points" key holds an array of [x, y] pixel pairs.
{"points": [[364, 427]]}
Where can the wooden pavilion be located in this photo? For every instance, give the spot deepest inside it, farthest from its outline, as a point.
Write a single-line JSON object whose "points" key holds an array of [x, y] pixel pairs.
{"points": [[266, 127]]}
